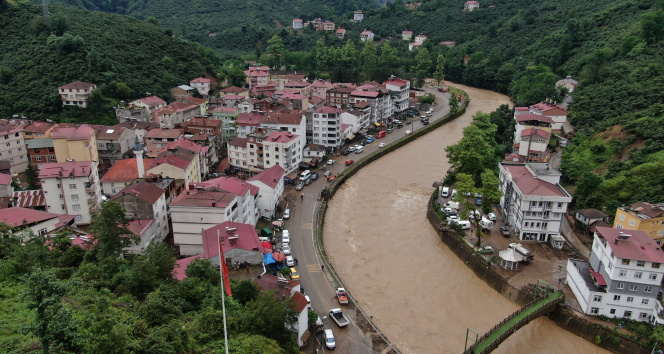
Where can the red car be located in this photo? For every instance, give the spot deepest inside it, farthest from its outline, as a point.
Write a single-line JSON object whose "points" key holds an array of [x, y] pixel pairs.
{"points": [[349, 162]]}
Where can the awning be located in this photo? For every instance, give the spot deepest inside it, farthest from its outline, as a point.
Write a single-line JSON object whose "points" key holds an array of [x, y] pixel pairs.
{"points": [[598, 278], [377, 124], [351, 137]]}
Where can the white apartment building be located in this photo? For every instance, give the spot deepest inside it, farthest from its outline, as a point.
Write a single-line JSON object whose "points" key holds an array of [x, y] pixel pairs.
{"points": [[76, 93], [623, 277], [400, 91], [327, 127], [381, 103], [71, 188], [532, 144], [13, 148], [196, 210], [533, 203], [283, 149], [270, 184]]}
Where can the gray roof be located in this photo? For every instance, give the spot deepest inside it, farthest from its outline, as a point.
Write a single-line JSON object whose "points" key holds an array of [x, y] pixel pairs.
{"points": [[592, 213], [39, 143]]}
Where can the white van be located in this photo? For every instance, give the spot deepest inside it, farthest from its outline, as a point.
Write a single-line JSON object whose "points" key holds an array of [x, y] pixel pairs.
{"points": [[305, 175], [359, 149], [452, 205], [445, 192], [486, 223], [465, 224], [429, 112]]}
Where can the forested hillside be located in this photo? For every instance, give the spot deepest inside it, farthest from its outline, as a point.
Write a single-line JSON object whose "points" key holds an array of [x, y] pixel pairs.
{"points": [[125, 57]]}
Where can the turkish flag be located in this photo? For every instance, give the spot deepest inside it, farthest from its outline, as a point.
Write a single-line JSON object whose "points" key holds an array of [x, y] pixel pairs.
{"points": [[224, 269]]}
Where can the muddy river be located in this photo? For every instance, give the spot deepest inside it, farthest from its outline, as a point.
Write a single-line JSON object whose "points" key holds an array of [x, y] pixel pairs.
{"points": [[418, 292]]}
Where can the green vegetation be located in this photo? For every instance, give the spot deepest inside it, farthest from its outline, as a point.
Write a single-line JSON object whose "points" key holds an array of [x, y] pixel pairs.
{"points": [[125, 57], [66, 299]]}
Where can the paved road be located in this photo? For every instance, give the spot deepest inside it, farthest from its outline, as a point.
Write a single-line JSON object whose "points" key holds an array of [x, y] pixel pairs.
{"points": [[319, 285]]}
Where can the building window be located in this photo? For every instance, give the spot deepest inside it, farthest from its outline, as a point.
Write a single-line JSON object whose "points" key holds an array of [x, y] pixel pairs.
{"points": [[625, 262], [76, 207], [620, 286], [594, 310], [628, 314], [632, 223], [645, 301], [637, 275], [653, 276], [630, 299], [74, 197], [72, 187], [656, 265], [597, 298], [38, 158], [647, 289], [632, 287], [622, 273], [622, 217], [78, 217], [616, 297], [612, 311], [640, 263]]}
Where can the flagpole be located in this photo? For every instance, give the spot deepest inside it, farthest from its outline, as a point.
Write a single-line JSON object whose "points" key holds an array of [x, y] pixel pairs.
{"points": [[223, 303]]}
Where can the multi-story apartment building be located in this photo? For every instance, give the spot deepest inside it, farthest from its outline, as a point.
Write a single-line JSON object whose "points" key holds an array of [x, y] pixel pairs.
{"points": [[400, 91], [196, 210], [283, 149], [176, 113], [71, 188], [532, 145], [41, 151], [77, 143], [13, 148], [533, 203], [113, 144], [339, 96], [247, 193], [157, 139], [642, 216], [623, 277], [237, 153], [297, 23], [556, 114], [366, 36], [319, 88], [38, 130], [257, 77], [379, 98], [76, 93], [358, 16], [271, 187], [145, 201], [178, 163], [228, 117], [327, 127]]}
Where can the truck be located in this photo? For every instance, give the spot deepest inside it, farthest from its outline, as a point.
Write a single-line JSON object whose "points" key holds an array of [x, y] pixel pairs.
{"points": [[341, 295], [452, 205], [486, 224], [527, 255], [339, 317]]}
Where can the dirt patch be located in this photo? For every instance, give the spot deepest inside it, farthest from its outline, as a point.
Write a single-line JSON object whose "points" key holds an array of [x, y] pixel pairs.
{"points": [[613, 132]]}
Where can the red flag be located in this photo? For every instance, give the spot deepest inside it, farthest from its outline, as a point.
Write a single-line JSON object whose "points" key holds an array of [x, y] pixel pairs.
{"points": [[224, 269]]}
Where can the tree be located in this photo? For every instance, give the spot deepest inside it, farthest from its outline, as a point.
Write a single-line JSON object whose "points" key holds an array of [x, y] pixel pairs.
{"points": [[472, 153], [454, 103], [52, 323], [465, 191], [349, 54], [388, 55], [369, 60], [490, 191], [245, 291], [110, 230], [16, 184], [268, 316], [439, 74], [275, 51]]}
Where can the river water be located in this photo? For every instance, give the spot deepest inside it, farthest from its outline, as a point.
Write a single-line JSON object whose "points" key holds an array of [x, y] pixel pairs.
{"points": [[388, 255]]}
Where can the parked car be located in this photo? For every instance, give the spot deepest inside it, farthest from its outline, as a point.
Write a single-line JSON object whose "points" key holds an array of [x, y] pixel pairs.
{"points": [[290, 261], [315, 176], [328, 173], [330, 162], [329, 339], [296, 276], [308, 181], [285, 249], [409, 122], [492, 217], [486, 250], [505, 231], [382, 145], [442, 89], [426, 122], [285, 238], [286, 214], [299, 186], [349, 162], [408, 132], [388, 130], [452, 219]]}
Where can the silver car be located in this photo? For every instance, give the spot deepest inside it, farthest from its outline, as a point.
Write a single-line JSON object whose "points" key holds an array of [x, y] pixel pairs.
{"points": [[299, 186]]}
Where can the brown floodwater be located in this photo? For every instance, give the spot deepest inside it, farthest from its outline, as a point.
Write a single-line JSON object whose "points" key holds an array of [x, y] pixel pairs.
{"points": [[388, 255]]}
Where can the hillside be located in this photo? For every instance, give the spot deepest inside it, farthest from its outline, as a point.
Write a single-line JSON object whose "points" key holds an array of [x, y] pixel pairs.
{"points": [[107, 49]]}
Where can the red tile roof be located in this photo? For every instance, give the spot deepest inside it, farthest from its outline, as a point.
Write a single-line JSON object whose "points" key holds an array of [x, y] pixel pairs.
{"points": [[371, 94], [187, 145], [341, 30], [233, 97], [178, 157], [124, 170], [406, 32], [530, 116], [77, 85], [194, 100], [225, 110], [247, 238], [164, 133], [639, 246], [301, 302], [176, 107], [180, 270], [200, 79], [110, 133], [66, 169], [281, 118], [204, 199], [29, 199], [234, 89], [152, 101], [647, 209], [328, 110], [238, 141], [139, 226], [82, 132], [226, 184], [271, 177], [5, 179], [249, 118], [397, 82], [534, 131], [142, 190], [280, 137], [16, 216], [529, 185], [38, 127], [269, 282]]}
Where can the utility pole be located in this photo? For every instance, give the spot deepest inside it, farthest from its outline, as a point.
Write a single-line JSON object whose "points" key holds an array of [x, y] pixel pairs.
{"points": [[47, 17]]}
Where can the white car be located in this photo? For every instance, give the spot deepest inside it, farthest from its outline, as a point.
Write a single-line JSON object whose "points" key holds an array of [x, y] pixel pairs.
{"points": [[492, 216], [328, 173], [290, 261], [382, 145], [452, 219], [286, 214], [330, 162], [408, 132], [285, 238], [329, 339], [286, 250]]}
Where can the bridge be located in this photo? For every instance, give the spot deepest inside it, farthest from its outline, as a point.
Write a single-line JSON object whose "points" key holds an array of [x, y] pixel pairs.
{"points": [[545, 299]]}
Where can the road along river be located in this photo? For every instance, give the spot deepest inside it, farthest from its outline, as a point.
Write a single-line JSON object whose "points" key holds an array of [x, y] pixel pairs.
{"points": [[388, 255]]}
